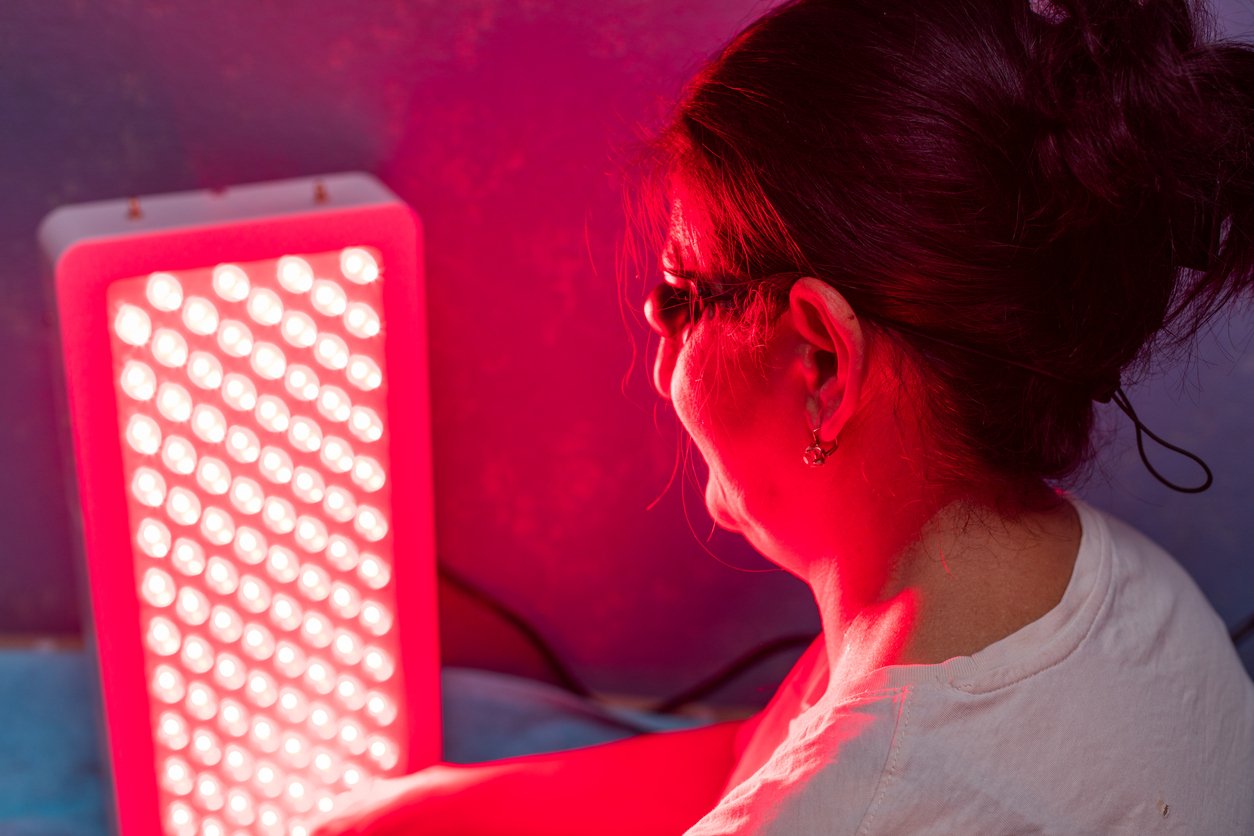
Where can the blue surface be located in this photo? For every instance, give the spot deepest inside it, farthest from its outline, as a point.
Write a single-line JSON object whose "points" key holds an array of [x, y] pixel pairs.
{"points": [[51, 767]]}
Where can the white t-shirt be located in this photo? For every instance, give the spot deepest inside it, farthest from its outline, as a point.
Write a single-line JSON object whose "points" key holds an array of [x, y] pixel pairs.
{"points": [[1124, 709]]}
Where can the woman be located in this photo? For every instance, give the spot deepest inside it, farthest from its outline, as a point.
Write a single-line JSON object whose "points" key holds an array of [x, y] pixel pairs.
{"points": [[907, 246]]}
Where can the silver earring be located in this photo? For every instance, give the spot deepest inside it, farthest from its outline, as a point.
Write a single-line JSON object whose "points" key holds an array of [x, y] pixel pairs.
{"points": [[815, 455]]}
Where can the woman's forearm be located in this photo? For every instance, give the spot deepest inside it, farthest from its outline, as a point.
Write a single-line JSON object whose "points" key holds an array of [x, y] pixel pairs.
{"points": [[651, 784]]}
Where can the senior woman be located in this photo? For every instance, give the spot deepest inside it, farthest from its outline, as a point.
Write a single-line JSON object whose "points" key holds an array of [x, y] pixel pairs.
{"points": [[907, 246]]}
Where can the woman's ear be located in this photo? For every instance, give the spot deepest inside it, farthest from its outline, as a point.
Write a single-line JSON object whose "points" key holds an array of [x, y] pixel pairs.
{"points": [[833, 353]]}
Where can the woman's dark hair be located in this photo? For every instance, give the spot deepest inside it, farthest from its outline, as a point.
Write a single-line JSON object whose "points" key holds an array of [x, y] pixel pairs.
{"points": [[1062, 185]]}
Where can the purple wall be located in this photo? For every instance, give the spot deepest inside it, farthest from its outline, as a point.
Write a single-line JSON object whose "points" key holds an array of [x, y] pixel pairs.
{"points": [[500, 124]]}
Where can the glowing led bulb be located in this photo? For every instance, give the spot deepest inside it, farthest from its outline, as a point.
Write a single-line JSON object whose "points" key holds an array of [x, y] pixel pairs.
{"points": [[314, 582], [181, 819], [239, 392], [212, 475], [381, 708], [334, 404], [204, 370], [345, 599], [210, 792], [364, 373], [268, 361], [305, 435], [235, 339], [176, 776], [370, 523], [358, 265], [258, 642], [193, 606], [158, 588], [273, 414], [299, 329], [337, 454], [289, 659], [352, 736], [197, 655], [295, 749], [138, 380], [208, 423], [301, 382], [265, 736], [225, 624], [325, 764], [331, 351], [243, 444], [322, 721], [285, 612], [265, 307], [237, 763], [311, 534], [163, 637], [328, 298], [153, 538], [367, 474], [271, 821], [376, 618], [346, 647], [373, 571], [232, 718], [143, 434], [167, 684], [295, 274], [295, 706], [169, 348], [202, 703], [174, 402], [179, 455], [342, 553], [254, 594], [350, 692], [163, 292], [276, 465], [383, 752], [316, 631], [132, 325], [221, 576], [299, 797], [268, 779], [172, 731], [188, 557], [229, 672], [239, 807], [262, 689], [230, 283], [246, 495], [308, 485], [352, 777], [183, 506], [365, 423], [378, 664], [282, 565], [361, 320], [148, 486], [250, 545], [217, 526], [200, 316], [339, 504], [206, 747]]}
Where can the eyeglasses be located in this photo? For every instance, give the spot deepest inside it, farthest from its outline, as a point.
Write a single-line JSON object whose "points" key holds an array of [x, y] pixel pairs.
{"points": [[678, 302]]}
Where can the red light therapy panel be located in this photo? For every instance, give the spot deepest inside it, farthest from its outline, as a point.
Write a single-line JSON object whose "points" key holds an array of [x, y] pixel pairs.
{"points": [[255, 429]]}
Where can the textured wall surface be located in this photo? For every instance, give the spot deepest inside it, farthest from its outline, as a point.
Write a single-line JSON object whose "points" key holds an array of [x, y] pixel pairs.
{"points": [[500, 123]]}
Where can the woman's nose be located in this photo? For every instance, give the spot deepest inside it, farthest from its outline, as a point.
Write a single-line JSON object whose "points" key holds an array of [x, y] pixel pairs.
{"points": [[664, 364]]}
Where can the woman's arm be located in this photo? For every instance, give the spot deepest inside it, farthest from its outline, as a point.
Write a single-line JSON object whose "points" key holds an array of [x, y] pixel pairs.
{"points": [[652, 784]]}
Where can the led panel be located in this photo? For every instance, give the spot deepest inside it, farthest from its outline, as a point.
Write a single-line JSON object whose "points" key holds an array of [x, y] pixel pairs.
{"points": [[247, 392]]}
